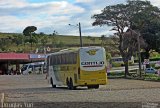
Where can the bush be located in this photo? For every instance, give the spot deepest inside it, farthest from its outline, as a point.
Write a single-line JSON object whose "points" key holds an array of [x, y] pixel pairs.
{"points": [[154, 77], [116, 74], [154, 59], [157, 67]]}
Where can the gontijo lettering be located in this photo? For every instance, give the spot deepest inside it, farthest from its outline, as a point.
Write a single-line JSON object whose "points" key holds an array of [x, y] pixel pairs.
{"points": [[92, 64]]}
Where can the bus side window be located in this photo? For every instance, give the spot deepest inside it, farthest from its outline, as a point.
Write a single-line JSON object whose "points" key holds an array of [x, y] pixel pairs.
{"points": [[71, 58], [74, 58], [59, 59], [63, 59], [67, 58]]}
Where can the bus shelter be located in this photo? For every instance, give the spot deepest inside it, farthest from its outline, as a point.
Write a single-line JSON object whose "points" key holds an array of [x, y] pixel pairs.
{"points": [[7, 59]]}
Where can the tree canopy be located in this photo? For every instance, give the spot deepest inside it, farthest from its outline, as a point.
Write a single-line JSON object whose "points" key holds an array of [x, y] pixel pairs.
{"points": [[138, 16], [28, 30], [147, 21]]}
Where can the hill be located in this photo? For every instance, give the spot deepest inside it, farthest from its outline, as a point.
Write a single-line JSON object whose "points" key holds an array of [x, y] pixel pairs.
{"points": [[16, 42]]}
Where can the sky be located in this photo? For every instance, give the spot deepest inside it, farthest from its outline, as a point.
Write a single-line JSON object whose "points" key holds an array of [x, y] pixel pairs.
{"points": [[50, 15]]}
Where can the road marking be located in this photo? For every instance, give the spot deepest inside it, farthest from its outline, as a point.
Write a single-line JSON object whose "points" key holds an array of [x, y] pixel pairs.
{"points": [[2, 100]]}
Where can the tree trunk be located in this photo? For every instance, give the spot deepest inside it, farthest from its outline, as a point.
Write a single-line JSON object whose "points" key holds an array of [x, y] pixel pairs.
{"points": [[126, 68], [147, 57]]}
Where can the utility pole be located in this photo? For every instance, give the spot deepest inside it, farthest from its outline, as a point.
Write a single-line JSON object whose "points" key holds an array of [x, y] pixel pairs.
{"points": [[80, 34]]}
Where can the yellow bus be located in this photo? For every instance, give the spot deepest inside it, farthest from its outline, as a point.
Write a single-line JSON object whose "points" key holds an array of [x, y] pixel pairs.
{"points": [[85, 66], [118, 61]]}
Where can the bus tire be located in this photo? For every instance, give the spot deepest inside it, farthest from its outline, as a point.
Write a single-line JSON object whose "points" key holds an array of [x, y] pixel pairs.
{"points": [[93, 86], [71, 87], [90, 86], [53, 86], [96, 86]]}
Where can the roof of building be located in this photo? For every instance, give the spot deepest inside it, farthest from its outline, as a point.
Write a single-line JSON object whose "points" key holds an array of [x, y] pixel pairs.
{"points": [[14, 56]]}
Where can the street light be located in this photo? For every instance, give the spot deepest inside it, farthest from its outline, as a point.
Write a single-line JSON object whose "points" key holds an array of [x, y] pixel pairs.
{"points": [[79, 26]]}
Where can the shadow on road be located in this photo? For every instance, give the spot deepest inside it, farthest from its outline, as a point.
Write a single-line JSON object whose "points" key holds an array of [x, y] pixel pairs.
{"points": [[39, 90]]}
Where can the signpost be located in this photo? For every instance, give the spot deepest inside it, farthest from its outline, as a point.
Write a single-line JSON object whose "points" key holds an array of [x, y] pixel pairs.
{"points": [[146, 61]]}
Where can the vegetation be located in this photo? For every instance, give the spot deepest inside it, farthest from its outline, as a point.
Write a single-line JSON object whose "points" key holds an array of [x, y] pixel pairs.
{"points": [[152, 77], [135, 15], [17, 42], [28, 32], [115, 75]]}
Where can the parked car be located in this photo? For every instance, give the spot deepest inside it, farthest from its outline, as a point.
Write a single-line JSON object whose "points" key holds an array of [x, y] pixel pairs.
{"points": [[35, 67], [151, 70]]}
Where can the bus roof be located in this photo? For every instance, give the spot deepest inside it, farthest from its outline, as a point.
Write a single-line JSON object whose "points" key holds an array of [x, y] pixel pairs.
{"points": [[75, 49]]}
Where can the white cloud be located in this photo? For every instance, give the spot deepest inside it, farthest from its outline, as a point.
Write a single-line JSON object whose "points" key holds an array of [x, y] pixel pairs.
{"points": [[84, 1], [15, 15], [13, 24], [13, 3], [61, 7], [155, 2]]}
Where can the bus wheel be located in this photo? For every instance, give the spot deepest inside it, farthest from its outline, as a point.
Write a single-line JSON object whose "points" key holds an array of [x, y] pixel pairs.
{"points": [[93, 86], [90, 86], [53, 86], [96, 86], [71, 87]]}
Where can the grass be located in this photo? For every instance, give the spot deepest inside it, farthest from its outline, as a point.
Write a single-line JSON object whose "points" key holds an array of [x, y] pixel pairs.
{"points": [[153, 77], [115, 75], [76, 40], [145, 77], [66, 40]]}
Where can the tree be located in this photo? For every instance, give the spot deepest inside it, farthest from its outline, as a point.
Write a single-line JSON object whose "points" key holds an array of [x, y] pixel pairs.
{"points": [[4, 44], [147, 22], [28, 32], [55, 32], [119, 17]]}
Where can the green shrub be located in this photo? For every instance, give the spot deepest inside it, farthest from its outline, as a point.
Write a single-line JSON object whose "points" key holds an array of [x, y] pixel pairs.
{"points": [[152, 77], [157, 67], [155, 59]]}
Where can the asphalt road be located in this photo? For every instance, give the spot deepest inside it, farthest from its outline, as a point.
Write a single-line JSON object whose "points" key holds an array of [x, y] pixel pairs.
{"points": [[35, 91]]}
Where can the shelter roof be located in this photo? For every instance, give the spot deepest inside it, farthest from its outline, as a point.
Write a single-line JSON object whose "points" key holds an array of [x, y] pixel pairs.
{"points": [[14, 56]]}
